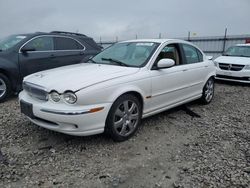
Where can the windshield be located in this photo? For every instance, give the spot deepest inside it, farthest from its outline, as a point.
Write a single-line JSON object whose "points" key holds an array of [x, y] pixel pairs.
{"points": [[131, 54], [242, 51], [10, 41]]}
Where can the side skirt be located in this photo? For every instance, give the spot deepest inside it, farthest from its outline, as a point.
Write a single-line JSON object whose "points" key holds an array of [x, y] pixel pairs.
{"points": [[156, 111]]}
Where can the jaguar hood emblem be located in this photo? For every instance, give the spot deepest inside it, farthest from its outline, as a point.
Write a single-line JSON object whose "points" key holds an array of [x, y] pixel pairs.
{"points": [[39, 75]]}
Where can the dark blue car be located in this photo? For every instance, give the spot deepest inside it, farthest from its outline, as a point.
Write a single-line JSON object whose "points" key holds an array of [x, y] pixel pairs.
{"points": [[24, 54]]}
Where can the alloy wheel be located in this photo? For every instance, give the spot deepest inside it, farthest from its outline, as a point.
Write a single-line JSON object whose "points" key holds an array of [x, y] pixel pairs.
{"points": [[126, 118], [3, 87], [209, 90]]}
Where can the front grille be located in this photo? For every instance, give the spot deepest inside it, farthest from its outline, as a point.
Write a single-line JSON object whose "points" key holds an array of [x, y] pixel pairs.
{"points": [[35, 91], [231, 67], [233, 77]]}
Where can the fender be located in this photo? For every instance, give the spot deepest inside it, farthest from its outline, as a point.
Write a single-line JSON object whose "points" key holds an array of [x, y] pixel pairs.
{"points": [[11, 70], [212, 72], [126, 89]]}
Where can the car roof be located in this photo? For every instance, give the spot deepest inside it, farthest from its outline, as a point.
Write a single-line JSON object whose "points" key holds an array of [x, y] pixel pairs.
{"points": [[243, 45], [157, 40], [60, 33]]}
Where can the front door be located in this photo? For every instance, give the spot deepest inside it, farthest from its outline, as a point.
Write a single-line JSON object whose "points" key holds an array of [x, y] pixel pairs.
{"points": [[170, 85], [38, 56]]}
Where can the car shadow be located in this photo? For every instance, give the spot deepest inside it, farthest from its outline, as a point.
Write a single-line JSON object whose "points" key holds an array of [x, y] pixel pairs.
{"points": [[232, 83]]}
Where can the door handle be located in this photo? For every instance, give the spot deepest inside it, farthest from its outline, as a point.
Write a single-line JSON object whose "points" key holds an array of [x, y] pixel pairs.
{"points": [[185, 70]]}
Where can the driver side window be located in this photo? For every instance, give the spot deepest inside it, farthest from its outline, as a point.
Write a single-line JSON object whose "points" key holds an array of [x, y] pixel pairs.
{"points": [[40, 44]]}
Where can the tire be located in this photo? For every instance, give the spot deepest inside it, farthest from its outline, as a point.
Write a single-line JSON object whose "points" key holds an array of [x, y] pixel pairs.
{"points": [[5, 87], [124, 118], [208, 91]]}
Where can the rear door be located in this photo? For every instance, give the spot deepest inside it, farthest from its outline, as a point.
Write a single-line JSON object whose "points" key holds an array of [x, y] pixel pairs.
{"points": [[39, 58], [195, 67], [68, 51]]}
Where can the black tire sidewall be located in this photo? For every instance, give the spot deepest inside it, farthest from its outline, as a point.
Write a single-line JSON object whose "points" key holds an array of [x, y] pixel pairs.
{"points": [[8, 88], [109, 127]]}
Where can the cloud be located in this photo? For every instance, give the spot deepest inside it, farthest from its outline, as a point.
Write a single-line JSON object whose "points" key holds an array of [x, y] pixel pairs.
{"points": [[125, 19]]}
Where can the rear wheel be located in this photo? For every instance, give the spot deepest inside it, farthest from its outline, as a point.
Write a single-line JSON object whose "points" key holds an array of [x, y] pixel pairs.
{"points": [[5, 87], [208, 91], [124, 118]]}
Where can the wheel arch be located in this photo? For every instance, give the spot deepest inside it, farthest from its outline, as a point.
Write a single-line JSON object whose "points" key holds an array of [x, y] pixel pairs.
{"points": [[8, 75], [135, 92], [209, 76], [3, 71], [137, 95]]}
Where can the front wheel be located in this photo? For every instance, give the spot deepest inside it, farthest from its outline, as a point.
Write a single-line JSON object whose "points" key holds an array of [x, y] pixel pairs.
{"points": [[4, 87], [124, 118], [208, 91]]}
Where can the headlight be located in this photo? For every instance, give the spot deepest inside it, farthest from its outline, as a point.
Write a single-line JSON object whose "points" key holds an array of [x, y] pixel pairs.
{"points": [[247, 67], [55, 96], [216, 63], [69, 97]]}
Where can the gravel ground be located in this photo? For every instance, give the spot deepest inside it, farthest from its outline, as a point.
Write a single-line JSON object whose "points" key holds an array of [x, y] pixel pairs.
{"points": [[172, 149]]}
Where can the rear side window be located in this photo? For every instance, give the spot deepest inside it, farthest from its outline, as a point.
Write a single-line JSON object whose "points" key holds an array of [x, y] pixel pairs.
{"points": [[40, 44], [62, 43], [192, 54]]}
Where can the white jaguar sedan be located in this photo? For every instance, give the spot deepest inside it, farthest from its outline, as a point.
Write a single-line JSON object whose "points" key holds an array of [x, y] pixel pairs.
{"points": [[114, 90]]}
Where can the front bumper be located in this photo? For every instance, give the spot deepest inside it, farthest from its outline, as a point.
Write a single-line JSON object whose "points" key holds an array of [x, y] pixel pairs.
{"points": [[236, 76], [69, 119]]}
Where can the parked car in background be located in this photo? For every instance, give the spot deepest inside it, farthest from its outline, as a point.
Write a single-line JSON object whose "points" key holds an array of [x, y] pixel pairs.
{"points": [[24, 54], [234, 64], [115, 89]]}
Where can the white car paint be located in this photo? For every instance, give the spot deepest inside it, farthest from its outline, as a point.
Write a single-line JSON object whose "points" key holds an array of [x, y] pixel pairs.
{"points": [[97, 86], [230, 75]]}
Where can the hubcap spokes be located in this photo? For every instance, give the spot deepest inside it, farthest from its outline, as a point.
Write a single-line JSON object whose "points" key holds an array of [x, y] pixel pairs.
{"points": [[126, 118], [2, 87], [209, 91]]}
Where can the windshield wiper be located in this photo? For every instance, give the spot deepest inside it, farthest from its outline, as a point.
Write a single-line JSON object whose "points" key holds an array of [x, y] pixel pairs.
{"points": [[115, 61], [92, 61], [244, 56], [236, 55]]}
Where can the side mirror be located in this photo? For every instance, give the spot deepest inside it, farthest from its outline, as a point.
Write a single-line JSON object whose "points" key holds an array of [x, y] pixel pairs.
{"points": [[165, 63], [25, 49], [210, 57]]}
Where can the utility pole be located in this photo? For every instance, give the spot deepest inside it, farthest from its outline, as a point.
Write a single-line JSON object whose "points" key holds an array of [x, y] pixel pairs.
{"points": [[189, 36], [224, 41], [159, 35]]}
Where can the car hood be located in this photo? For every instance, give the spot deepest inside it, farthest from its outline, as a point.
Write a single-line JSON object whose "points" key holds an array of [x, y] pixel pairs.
{"points": [[76, 77], [233, 60]]}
